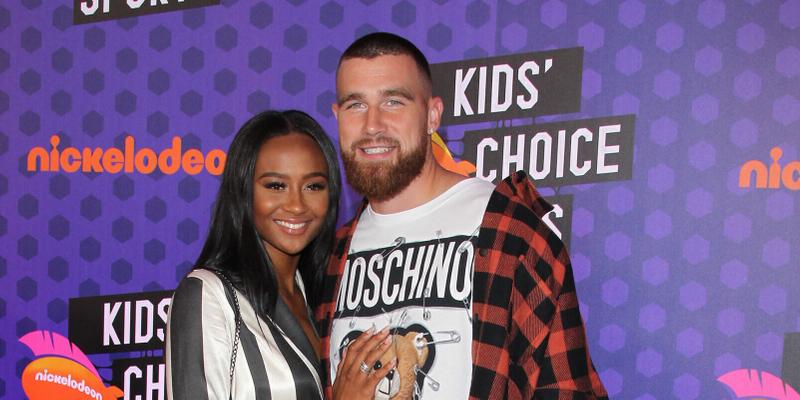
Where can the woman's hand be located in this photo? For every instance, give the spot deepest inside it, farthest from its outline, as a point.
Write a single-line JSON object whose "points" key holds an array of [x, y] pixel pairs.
{"points": [[355, 376]]}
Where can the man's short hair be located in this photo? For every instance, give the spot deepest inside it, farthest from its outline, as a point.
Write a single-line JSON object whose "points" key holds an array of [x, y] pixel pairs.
{"points": [[383, 43]]}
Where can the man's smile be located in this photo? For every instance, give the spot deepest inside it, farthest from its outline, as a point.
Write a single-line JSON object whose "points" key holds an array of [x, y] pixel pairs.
{"points": [[377, 150], [292, 227]]}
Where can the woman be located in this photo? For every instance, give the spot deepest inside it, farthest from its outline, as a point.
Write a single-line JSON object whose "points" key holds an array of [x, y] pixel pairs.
{"points": [[270, 235]]}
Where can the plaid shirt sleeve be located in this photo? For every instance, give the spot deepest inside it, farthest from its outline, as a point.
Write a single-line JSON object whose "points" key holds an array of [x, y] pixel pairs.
{"points": [[528, 335], [330, 288]]}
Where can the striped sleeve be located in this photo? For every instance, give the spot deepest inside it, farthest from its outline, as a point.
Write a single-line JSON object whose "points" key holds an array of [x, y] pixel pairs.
{"points": [[200, 332], [198, 343]]}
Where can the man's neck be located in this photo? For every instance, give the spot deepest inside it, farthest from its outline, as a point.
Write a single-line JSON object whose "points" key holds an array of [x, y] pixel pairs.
{"points": [[432, 181]]}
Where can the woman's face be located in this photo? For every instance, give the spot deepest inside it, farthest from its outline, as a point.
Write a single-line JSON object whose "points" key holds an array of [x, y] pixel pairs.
{"points": [[290, 194]]}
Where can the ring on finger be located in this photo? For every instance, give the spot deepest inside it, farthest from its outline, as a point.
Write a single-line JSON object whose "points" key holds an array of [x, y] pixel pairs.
{"points": [[364, 368]]}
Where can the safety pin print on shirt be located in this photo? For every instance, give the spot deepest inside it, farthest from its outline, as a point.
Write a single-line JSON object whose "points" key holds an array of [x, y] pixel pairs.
{"points": [[410, 287], [415, 349]]}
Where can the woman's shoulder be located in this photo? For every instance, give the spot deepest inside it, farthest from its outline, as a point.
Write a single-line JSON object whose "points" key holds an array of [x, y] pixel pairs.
{"points": [[202, 280], [203, 274]]}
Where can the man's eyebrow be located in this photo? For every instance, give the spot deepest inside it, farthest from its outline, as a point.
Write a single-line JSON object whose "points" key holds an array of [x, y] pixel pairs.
{"points": [[402, 92], [348, 97]]}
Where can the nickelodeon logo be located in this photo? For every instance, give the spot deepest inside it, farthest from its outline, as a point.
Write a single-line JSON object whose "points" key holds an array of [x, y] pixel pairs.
{"points": [[61, 371], [773, 177], [129, 159]]}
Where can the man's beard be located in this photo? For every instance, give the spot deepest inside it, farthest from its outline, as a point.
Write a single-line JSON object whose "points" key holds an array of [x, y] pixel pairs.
{"points": [[382, 180]]}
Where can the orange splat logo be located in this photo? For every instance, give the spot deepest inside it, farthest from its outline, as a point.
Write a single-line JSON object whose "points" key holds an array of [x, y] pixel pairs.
{"points": [[61, 371], [445, 159]]}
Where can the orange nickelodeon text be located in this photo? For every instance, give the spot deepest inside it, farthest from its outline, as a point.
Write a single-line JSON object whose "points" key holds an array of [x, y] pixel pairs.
{"points": [[129, 159], [773, 177]]}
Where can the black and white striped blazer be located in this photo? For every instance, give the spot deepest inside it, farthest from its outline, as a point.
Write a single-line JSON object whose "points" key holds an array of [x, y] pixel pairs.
{"points": [[275, 360]]}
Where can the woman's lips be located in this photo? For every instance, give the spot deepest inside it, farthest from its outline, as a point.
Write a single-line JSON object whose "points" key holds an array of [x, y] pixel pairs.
{"points": [[292, 227]]}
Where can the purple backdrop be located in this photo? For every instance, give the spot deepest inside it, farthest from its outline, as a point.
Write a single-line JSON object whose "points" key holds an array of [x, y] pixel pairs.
{"points": [[683, 275]]}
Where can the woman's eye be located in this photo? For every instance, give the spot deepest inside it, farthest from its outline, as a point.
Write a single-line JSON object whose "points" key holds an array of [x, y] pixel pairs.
{"points": [[316, 186], [275, 185]]}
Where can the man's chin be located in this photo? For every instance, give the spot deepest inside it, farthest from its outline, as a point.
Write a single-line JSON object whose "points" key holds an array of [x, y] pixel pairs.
{"points": [[370, 167], [366, 161], [382, 179], [370, 175], [377, 183]]}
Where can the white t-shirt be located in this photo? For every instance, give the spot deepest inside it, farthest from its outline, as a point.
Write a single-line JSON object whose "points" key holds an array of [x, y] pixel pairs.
{"points": [[412, 271]]}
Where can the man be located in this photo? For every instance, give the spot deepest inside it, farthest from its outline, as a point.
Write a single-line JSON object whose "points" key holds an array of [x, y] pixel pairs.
{"points": [[476, 293]]}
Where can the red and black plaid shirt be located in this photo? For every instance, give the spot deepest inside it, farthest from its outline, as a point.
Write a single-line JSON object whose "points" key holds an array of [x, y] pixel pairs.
{"points": [[528, 338]]}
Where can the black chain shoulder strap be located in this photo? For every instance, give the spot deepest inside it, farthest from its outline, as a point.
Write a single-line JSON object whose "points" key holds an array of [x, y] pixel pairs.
{"points": [[238, 315]]}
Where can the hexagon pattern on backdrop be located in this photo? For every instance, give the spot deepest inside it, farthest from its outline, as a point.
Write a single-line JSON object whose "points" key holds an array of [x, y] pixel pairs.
{"points": [[682, 275]]}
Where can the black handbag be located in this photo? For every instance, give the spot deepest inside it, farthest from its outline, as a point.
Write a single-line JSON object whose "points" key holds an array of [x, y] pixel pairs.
{"points": [[238, 316]]}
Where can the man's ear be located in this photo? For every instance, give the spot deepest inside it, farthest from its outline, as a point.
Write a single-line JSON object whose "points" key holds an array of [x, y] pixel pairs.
{"points": [[335, 109], [435, 109]]}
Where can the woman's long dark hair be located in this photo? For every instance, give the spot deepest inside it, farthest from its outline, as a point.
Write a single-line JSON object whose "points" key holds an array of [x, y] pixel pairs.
{"points": [[233, 244]]}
